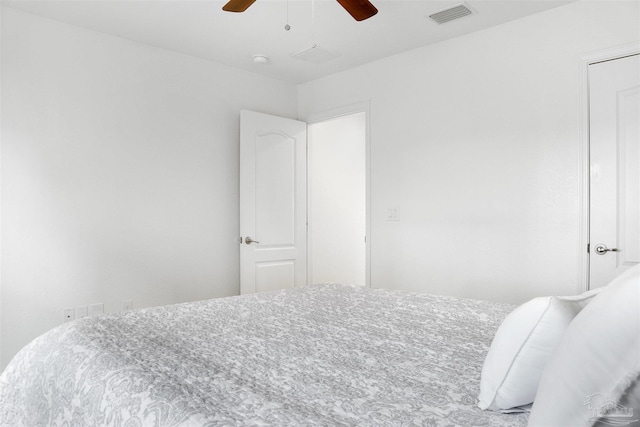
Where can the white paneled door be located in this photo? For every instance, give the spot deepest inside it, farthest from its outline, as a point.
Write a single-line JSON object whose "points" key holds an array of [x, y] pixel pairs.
{"points": [[273, 205], [614, 143]]}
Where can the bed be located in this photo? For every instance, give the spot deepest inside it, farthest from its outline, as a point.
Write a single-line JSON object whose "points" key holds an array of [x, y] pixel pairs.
{"points": [[325, 355]]}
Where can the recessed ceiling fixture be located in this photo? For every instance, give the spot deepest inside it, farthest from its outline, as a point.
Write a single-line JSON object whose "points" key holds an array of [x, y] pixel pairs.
{"points": [[451, 13], [260, 59]]}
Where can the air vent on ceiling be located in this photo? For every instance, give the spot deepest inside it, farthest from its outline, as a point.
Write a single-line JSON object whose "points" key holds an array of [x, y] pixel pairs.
{"points": [[451, 14]]}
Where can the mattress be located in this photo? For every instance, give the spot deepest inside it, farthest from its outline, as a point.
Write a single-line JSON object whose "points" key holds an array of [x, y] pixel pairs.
{"points": [[324, 355]]}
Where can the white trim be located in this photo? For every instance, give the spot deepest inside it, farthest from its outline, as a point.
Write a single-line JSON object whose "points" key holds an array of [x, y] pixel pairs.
{"points": [[309, 206], [583, 223], [334, 113]]}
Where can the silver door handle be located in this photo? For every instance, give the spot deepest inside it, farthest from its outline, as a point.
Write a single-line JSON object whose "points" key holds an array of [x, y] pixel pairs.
{"points": [[248, 240], [603, 249]]}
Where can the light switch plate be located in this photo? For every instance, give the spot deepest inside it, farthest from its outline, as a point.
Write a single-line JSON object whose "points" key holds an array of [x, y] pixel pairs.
{"points": [[393, 214]]}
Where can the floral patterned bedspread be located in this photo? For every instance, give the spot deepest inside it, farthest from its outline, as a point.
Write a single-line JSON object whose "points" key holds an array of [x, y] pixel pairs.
{"points": [[324, 355]]}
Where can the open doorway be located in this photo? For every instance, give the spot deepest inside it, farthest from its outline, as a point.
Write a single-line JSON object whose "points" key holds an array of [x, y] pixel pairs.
{"points": [[337, 200]]}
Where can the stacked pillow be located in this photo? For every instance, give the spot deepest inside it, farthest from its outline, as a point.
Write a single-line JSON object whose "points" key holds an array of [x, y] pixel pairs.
{"points": [[522, 348], [594, 375], [575, 369]]}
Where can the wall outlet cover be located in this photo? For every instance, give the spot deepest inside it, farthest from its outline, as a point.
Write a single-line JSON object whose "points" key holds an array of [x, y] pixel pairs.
{"points": [[96, 309], [81, 312], [69, 314]]}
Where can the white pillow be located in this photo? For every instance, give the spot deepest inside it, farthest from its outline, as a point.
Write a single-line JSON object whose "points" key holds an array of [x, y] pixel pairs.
{"points": [[597, 362], [522, 347]]}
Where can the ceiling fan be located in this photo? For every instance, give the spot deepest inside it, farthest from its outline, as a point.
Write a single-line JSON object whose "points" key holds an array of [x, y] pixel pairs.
{"points": [[359, 9]]}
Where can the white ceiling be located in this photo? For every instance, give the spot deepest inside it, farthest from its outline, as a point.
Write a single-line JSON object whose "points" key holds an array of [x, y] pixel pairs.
{"points": [[200, 28]]}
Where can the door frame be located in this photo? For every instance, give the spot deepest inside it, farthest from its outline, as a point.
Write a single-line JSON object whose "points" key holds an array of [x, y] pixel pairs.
{"points": [[584, 150], [335, 113]]}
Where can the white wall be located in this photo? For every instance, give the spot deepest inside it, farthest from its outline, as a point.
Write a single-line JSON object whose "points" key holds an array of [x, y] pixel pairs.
{"points": [[119, 173], [476, 140], [119, 163], [337, 200]]}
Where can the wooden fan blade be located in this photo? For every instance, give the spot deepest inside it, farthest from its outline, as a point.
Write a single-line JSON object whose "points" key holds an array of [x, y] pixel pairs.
{"points": [[237, 5], [359, 9]]}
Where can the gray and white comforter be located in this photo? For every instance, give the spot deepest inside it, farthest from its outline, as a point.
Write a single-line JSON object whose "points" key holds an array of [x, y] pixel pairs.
{"points": [[327, 355]]}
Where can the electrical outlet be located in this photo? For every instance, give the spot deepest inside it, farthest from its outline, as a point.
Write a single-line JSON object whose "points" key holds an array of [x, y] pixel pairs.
{"points": [[81, 312], [96, 309], [69, 314], [127, 305]]}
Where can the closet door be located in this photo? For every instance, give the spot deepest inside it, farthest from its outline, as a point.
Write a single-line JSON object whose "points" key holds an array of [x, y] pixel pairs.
{"points": [[614, 144]]}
